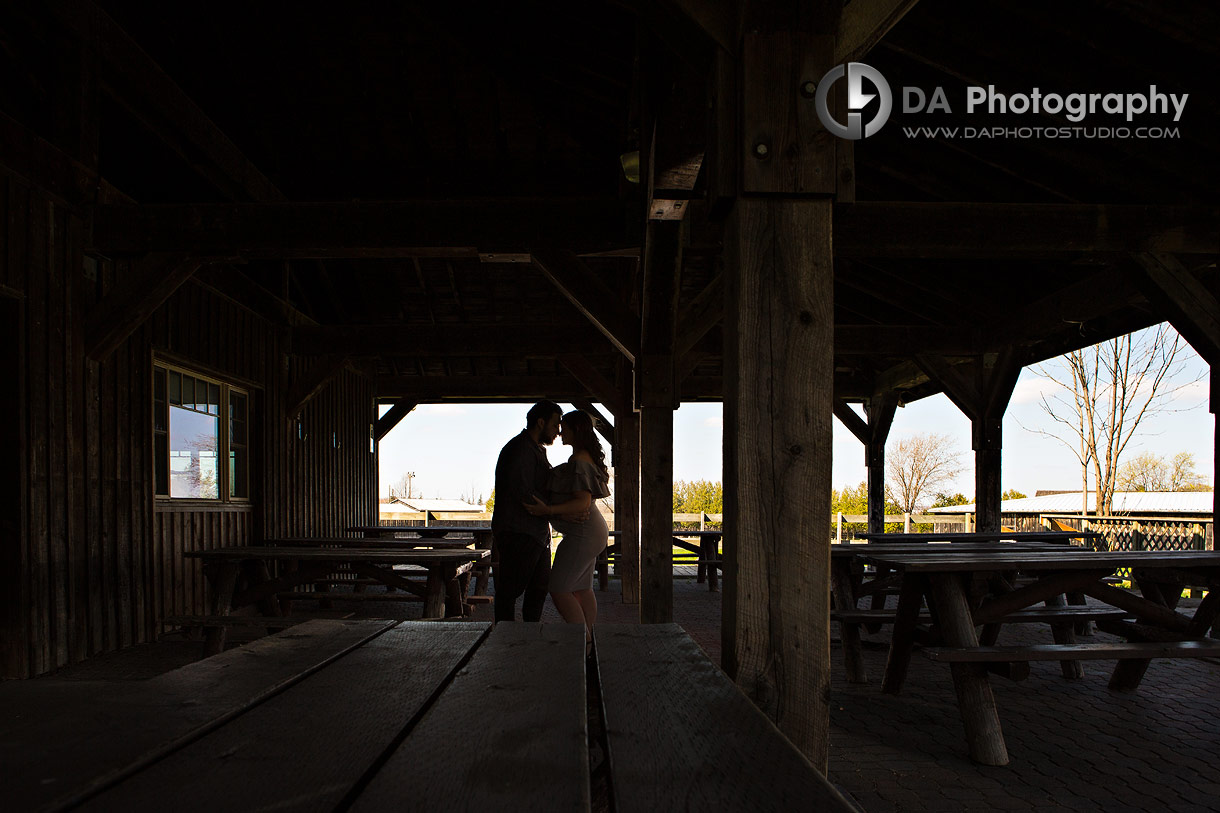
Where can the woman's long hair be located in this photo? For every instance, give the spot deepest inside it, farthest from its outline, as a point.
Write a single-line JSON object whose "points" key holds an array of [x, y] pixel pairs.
{"points": [[578, 432]]}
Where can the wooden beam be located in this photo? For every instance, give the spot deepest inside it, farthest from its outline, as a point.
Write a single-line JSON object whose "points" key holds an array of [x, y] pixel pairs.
{"points": [[601, 423], [784, 149], [863, 24], [981, 230], [958, 386], [593, 381], [147, 91], [593, 298], [852, 421], [133, 299], [691, 29], [312, 381], [51, 169], [413, 228], [701, 315], [1075, 305], [228, 282], [1193, 309], [906, 340], [389, 420], [679, 142], [507, 389], [467, 339]]}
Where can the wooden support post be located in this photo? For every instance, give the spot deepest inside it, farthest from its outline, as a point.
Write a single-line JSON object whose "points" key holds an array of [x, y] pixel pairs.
{"points": [[983, 396], [778, 399], [627, 502], [873, 433], [658, 399]]}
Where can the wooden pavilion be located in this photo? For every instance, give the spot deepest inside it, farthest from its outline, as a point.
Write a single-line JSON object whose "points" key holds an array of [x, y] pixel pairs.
{"points": [[278, 220]]}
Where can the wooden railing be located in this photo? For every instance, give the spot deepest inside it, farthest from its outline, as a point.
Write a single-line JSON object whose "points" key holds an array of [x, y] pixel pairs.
{"points": [[1140, 533], [847, 525]]}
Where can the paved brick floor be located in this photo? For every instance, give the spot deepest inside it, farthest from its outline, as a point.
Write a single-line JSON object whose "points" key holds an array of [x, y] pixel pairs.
{"points": [[1074, 745]]}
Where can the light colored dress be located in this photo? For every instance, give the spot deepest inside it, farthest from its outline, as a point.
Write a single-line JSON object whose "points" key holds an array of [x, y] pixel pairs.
{"points": [[582, 541]]}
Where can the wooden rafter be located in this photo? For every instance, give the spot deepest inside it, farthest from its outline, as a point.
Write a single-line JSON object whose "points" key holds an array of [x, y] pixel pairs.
{"points": [[414, 228], [134, 298], [436, 389], [312, 382], [463, 227], [966, 230], [593, 298], [703, 313], [518, 340], [593, 381], [228, 282], [604, 426], [863, 23], [1193, 310], [391, 418], [139, 84]]}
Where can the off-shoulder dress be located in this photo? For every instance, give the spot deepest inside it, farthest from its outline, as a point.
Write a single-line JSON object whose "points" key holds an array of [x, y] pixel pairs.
{"points": [[582, 541]]}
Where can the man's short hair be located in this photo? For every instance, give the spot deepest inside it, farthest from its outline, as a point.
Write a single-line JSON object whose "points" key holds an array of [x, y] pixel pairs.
{"points": [[543, 410]]}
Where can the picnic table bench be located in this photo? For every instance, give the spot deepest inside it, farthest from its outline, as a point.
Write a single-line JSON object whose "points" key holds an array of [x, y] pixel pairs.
{"points": [[441, 592], [372, 715], [966, 590], [704, 552], [481, 534]]}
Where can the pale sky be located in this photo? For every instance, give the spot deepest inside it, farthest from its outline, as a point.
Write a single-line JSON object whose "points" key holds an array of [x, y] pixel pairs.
{"points": [[452, 448]]}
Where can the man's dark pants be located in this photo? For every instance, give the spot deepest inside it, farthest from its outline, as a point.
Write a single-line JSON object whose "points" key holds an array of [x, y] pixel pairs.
{"points": [[524, 567]]}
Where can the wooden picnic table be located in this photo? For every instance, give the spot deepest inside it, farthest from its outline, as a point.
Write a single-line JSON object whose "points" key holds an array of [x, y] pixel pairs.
{"points": [[482, 534], [441, 593], [376, 715], [706, 549], [980, 536], [850, 583], [968, 589], [426, 531], [386, 542]]}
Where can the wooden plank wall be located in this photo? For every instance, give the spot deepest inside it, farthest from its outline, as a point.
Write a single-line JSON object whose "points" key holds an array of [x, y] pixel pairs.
{"points": [[97, 561]]}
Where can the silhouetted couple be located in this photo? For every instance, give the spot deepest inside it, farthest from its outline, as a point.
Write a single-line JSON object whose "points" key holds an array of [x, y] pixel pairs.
{"points": [[529, 493]]}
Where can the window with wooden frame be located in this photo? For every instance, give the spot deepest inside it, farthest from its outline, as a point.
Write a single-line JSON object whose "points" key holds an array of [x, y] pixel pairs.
{"points": [[196, 420]]}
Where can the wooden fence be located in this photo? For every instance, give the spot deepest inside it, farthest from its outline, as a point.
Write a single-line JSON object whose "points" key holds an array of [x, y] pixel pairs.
{"points": [[1136, 533]]}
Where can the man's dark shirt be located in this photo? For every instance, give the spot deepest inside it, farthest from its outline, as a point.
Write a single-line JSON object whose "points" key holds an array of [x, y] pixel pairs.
{"points": [[522, 471]]}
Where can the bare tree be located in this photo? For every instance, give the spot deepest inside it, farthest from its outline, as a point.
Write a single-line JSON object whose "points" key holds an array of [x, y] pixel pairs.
{"points": [[1105, 392], [403, 487], [918, 466], [1152, 472]]}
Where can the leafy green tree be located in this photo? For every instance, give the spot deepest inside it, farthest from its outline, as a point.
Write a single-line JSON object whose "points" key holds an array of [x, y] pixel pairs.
{"points": [[1012, 494], [698, 496], [942, 500]]}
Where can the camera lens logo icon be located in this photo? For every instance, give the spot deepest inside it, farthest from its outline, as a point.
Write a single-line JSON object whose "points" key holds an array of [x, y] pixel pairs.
{"points": [[857, 100]]}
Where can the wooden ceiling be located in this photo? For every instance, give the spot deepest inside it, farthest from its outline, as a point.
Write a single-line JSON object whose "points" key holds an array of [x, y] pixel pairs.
{"points": [[497, 130]]}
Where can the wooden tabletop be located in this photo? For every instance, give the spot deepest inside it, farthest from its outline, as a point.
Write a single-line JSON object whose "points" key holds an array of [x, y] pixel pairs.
{"points": [[376, 715], [369, 555], [981, 536], [684, 533], [1065, 559], [371, 542], [422, 530], [906, 548]]}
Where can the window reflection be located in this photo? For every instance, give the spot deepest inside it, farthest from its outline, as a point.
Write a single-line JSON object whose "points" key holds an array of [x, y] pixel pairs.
{"points": [[194, 438]]}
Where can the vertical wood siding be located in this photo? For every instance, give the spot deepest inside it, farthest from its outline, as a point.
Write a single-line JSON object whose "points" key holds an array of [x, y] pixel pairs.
{"points": [[96, 561]]}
